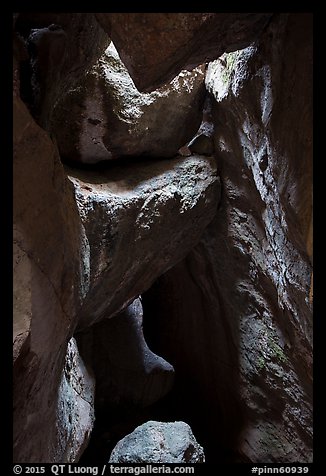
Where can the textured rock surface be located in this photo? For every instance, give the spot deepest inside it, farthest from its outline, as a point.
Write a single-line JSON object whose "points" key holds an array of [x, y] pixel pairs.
{"points": [[234, 317], [156, 442], [75, 411], [244, 324], [61, 46], [46, 283], [104, 116], [156, 46], [128, 212], [126, 370]]}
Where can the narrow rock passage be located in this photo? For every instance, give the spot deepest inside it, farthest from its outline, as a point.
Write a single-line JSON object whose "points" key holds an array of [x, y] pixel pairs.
{"points": [[162, 235]]}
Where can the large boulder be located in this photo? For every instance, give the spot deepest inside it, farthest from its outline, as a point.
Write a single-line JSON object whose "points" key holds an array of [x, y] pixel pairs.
{"points": [[156, 46], [105, 117], [157, 442], [127, 372], [139, 219]]}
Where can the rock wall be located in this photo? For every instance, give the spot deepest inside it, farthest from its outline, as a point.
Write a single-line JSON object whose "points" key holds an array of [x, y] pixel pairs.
{"points": [[240, 333], [47, 256], [48, 246]]}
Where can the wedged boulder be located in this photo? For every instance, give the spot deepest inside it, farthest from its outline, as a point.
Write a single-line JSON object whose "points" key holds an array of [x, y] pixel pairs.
{"points": [[75, 408], [156, 46], [157, 442], [139, 219], [47, 279], [61, 46], [202, 143], [127, 371], [105, 117]]}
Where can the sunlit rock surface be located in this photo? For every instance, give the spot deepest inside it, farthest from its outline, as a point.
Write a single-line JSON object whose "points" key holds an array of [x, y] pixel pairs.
{"points": [[105, 117]]}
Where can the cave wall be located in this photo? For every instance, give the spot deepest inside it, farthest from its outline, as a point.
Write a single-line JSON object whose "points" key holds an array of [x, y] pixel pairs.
{"points": [[47, 283], [241, 329], [274, 152], [233, 316]]}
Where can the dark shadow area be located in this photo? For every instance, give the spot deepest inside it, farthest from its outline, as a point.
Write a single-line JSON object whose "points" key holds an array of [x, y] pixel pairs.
{"points": [[111, 425], [188, 328], [187, 324], [122, 161], [26, 90], [233, 317], [125, 175]]}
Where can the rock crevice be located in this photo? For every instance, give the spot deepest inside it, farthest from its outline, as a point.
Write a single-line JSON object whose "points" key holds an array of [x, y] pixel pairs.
{"points": [[211, 224]]}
